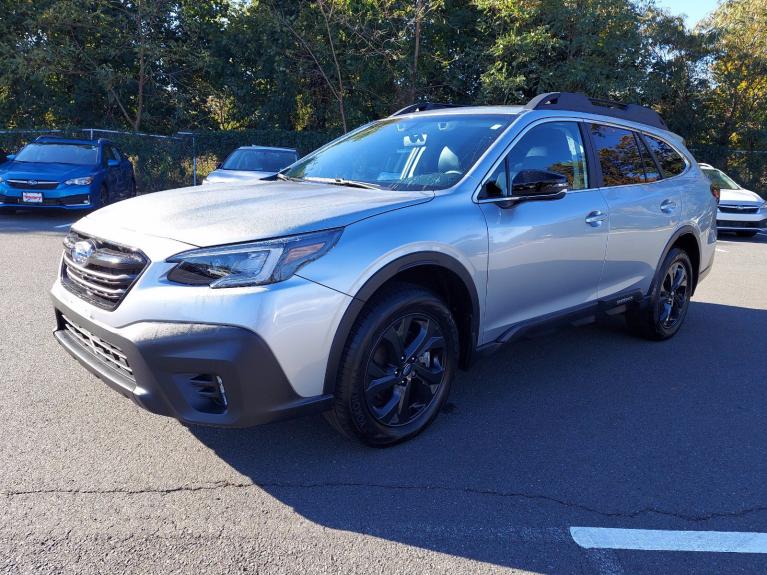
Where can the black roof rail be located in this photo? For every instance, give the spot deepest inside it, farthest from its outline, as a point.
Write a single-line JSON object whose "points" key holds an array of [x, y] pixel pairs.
{"points": [[580, 102], [423, 106]]}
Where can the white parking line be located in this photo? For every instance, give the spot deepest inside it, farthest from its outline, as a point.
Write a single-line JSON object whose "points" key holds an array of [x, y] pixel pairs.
{"points": [[662, 540]]}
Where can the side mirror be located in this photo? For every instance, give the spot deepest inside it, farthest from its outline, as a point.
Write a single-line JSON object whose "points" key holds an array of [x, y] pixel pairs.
{"points": [[538, 185], [10, 157], [114, 163]]}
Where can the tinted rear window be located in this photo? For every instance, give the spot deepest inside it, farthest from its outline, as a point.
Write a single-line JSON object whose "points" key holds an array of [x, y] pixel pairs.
{"points": [[671, 162], [618, 155]]}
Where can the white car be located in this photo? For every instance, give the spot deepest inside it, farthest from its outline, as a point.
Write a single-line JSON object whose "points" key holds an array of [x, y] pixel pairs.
{"points": [[740, 211], [250, 163]]}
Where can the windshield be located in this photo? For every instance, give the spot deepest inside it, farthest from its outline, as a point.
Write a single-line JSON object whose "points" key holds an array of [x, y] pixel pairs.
{"points": [[432, 152], [259, 160], [720, 179], [78, 154]]}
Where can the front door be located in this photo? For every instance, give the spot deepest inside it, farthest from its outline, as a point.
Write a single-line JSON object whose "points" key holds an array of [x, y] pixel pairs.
{"points": [[545, 256]]}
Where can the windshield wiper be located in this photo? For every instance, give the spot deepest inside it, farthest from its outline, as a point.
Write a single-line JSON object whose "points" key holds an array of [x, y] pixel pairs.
{"points": [[343, 182], [283, 177]]}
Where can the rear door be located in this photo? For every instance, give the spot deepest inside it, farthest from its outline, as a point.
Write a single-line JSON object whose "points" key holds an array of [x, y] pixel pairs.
{"points": [[545, 257], [644, 208]]}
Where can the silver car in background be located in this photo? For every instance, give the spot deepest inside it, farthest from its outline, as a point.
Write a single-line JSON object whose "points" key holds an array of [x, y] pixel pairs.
{"points": [[360, 279], [250, 163], [740, 210]]}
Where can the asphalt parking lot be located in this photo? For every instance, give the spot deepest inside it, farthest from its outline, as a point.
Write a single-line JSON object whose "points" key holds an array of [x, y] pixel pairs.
{"points": [[584, 428]]}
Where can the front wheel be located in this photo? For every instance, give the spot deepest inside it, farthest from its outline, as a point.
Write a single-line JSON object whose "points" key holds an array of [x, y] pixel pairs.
{"points": [[103, 197], [669, 300], [397, 367]]}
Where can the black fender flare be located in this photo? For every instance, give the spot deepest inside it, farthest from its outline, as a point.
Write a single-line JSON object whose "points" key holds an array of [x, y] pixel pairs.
{"points": [[372, 285], [683, 230]]}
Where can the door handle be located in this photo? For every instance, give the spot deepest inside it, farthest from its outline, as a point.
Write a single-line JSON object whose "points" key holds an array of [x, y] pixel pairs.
{"points": [[668, 206], [595, 218]]}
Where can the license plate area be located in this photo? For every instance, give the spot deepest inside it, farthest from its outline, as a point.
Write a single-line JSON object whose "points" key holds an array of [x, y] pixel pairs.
{"points": [[32, 197]]}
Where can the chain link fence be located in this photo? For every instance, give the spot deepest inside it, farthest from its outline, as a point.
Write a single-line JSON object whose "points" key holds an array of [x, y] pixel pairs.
{"points": [[165, 162]]}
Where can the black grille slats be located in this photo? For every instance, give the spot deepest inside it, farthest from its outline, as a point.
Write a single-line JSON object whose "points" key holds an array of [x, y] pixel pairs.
{"points": [[33, 184], [735, 209], [104, 351], [105, 276]]}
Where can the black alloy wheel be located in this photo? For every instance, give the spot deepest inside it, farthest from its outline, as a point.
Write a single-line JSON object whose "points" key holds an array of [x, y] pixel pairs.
{"points": [[397, 366], [674, 293], [661, 316], [405, 370]]}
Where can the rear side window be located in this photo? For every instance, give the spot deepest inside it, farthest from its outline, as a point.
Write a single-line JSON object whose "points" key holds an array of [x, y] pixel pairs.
{"points": [[671, 162], [618, 154]]}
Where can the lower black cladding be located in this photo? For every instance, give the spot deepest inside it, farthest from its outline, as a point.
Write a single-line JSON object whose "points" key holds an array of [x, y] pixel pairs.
{"points": [[165, 357]]}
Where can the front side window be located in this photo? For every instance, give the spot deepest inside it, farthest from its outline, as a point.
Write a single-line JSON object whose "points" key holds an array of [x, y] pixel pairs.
{"points": [[258, 160], [618, 155], [77, 154], [551, 147], [671, 162], [406, 153]]}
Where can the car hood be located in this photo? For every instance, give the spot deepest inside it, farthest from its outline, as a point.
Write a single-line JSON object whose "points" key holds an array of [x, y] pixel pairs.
{"points": [[44, 171], [232, 176], [739, 197], [211, 215]]}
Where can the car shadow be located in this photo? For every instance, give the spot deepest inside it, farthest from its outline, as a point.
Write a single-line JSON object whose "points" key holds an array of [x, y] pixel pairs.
{"points": [[39, 221], [588, 422]]}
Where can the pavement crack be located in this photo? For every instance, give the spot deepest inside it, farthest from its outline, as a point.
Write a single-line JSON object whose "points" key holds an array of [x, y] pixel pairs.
{"points": [[218, 485]]}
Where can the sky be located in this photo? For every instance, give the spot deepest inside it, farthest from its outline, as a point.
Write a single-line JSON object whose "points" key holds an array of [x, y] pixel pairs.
{"points": [[694, 9]]}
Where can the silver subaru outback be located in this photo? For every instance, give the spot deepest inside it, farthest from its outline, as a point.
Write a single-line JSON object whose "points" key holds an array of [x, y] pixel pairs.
{"points": [[361, 277]]}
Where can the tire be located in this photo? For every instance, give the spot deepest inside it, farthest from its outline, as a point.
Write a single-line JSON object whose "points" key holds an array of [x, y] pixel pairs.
{"points": [[402, 404], [748, 234], [103, 197], [669, 300]]}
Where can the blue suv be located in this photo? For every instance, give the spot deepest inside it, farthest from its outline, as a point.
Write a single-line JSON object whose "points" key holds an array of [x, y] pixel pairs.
{"points": [[67, 174]]}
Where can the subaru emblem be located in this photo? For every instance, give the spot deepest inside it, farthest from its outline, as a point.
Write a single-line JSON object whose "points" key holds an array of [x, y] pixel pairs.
{"points": [[82, 251], [32, 182]]}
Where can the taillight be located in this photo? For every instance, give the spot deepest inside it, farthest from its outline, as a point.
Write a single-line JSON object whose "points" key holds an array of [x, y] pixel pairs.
{"points": [[716, 192]]}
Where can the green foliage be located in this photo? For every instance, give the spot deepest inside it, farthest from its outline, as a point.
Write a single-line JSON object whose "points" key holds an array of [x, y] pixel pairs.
{"points": [[306, 69]]}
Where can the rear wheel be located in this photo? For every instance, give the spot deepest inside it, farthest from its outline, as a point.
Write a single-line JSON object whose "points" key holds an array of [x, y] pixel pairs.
{"points": [[747, 234], [397, 367], [669, 300]]}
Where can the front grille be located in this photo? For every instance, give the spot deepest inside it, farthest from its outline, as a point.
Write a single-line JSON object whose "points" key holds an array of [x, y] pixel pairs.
{"points": [[105, 352], [737, 224], [33, 184], [738, 209], [100, 272], [75, 200]]}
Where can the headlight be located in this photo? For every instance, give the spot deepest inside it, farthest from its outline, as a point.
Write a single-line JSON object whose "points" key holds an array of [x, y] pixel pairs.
{"points": [[79, 181], [255, 263]]}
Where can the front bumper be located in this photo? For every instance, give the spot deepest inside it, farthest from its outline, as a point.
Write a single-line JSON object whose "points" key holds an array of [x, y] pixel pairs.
{"points": [[158, 365], [733, 222], [67, 198]]}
